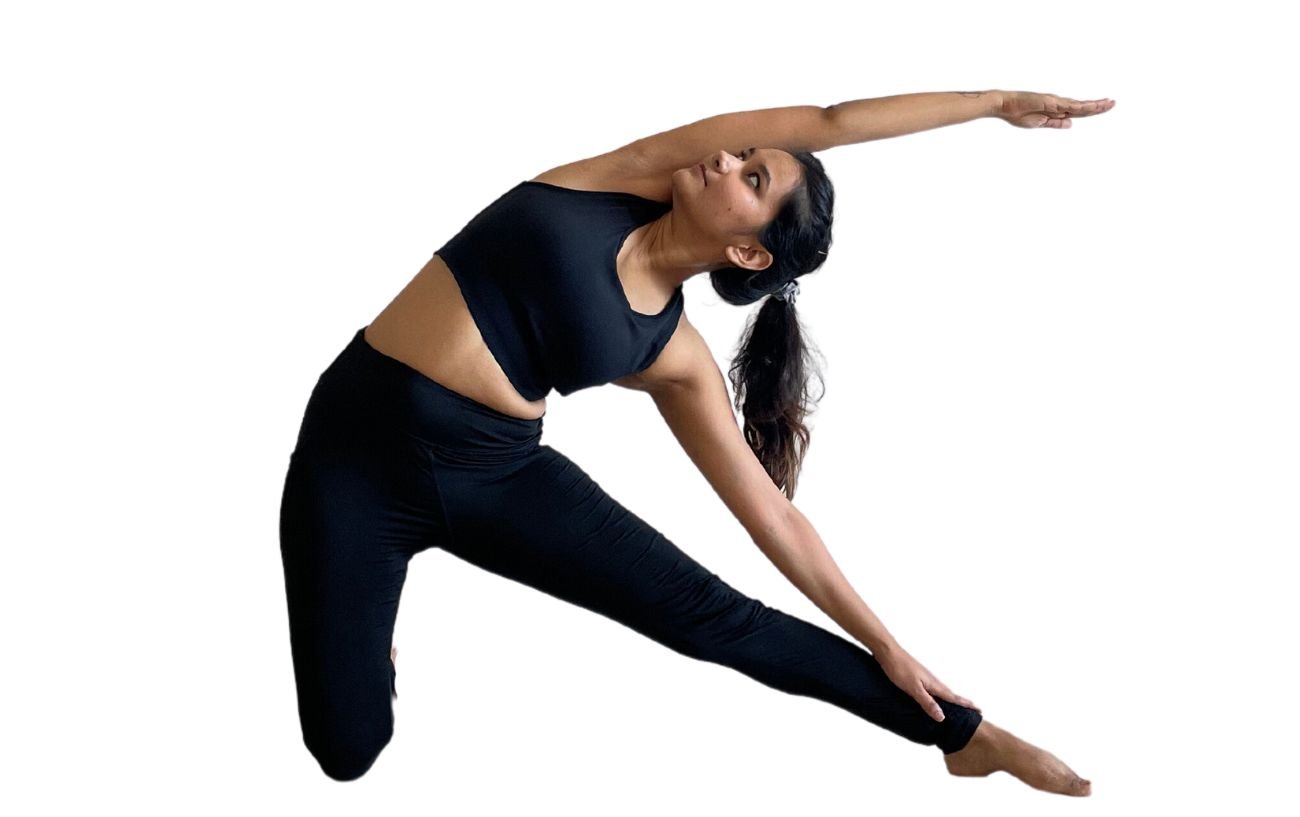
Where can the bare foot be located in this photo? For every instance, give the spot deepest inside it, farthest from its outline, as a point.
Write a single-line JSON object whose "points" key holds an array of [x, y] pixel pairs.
{"points": [[993, 749]]}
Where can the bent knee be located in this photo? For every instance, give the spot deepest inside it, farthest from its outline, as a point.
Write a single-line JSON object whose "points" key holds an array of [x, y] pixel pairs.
{"points": [[348, 762]]}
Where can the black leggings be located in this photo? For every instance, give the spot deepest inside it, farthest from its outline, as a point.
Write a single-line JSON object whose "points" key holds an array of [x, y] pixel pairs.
{"points": [[389, 463]]}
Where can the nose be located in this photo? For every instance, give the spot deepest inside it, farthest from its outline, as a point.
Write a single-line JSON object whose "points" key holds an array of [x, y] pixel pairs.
{"points": [[721, 161]]}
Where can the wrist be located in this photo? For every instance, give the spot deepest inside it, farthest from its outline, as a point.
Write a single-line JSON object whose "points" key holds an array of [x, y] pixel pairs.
{"points": [[996, 98]]}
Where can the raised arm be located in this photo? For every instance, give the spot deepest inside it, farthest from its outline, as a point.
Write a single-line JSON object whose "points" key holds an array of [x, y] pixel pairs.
{"points": [[810, 127], [863, 120], [646, 165], [797, 128]]}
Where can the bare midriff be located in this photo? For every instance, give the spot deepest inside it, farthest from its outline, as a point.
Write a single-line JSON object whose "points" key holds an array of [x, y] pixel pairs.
{"points": [[429, 328]]}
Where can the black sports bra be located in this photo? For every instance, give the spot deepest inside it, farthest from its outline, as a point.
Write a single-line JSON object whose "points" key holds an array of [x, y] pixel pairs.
{"points": [[537, 270]]}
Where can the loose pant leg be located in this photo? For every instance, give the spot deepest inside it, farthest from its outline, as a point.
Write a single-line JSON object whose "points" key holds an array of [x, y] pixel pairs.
{"points": [[542, 521]]}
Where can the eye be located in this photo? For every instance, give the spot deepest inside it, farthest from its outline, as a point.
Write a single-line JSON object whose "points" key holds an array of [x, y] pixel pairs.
{"points": [[757, 182]]}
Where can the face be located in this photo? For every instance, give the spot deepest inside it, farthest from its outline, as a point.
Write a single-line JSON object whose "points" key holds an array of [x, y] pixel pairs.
{"points": [[733, 197]]}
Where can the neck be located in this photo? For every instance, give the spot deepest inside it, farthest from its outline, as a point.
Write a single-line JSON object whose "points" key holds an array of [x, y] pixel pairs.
{"points": [[666, 254]]}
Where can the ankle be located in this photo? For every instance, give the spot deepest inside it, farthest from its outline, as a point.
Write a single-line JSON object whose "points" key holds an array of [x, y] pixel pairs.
{"points": [[986, 738]]}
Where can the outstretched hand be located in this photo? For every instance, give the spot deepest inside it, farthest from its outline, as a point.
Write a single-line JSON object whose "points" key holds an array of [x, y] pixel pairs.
{"points": [[908, 675], [1026, 109]]}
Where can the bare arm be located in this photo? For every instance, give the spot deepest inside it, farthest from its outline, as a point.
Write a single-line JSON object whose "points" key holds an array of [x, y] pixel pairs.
{"points": [[689, 391], [798, 552], [863, 120], [794, 128]]}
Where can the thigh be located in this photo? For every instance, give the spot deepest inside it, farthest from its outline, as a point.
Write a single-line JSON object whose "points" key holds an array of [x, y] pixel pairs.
{"points": [[547, 524], [348, 529]]}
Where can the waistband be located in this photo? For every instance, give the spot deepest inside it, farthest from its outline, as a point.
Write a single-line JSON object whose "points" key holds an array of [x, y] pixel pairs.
{"points": [[384, 390]]}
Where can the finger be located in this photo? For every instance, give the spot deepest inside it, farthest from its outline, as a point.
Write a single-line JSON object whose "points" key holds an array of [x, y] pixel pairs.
{"points": [[941, 689], [929, 704], [1089, 107], [947, 694]]}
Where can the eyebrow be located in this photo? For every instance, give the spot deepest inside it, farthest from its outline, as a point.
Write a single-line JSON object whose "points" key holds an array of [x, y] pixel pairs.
{"points": [[766, 173]]}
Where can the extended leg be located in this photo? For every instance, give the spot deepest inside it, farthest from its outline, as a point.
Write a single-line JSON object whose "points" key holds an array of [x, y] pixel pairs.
{"points": [[548, 525]]}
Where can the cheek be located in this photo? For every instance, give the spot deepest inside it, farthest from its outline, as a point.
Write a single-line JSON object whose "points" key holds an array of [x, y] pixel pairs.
{"points": [[732, 204], [740, 209]]}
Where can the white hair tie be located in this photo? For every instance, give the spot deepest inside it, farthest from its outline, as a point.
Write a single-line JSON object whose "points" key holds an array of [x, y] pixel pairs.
{"points": [[788, 292]]}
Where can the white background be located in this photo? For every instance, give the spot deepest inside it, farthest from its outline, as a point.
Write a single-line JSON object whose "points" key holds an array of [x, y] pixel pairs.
{"points": [[1056, 454]]}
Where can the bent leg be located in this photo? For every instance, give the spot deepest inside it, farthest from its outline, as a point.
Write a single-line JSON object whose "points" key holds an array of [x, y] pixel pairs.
{"points": [[565, 536], [346, 540]]}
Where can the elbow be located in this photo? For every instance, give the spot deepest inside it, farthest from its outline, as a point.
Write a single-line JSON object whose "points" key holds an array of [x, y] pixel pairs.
{"points": [[777, 524], [829, 132]]}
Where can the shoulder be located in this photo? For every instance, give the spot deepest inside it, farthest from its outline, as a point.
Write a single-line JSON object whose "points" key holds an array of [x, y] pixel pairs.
{"points": [[620, 171], [685, 359]]}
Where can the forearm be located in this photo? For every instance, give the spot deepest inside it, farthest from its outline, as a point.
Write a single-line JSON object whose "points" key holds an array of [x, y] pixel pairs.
{"points": [[863, 120], [799, 553]]}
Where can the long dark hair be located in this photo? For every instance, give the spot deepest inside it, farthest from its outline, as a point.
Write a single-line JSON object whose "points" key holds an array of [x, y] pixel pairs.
{"points": [[774, 363]]}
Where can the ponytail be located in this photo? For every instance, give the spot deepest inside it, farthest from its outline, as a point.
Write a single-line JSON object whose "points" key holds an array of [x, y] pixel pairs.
{"points": [[770, 378], [773, 366]]}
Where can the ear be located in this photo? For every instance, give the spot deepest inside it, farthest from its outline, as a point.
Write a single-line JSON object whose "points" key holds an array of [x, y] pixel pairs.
{"points": [[750, 257]]}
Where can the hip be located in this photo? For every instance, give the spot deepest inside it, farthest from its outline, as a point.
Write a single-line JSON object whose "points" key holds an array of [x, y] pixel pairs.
{"points": [[365, 398]]}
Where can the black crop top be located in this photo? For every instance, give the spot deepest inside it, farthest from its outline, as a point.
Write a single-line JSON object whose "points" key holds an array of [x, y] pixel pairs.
{"points": [[536, 268]]}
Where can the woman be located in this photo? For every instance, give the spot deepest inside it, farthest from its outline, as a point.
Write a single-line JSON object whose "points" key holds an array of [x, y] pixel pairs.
{"points": [[425, 430]]}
